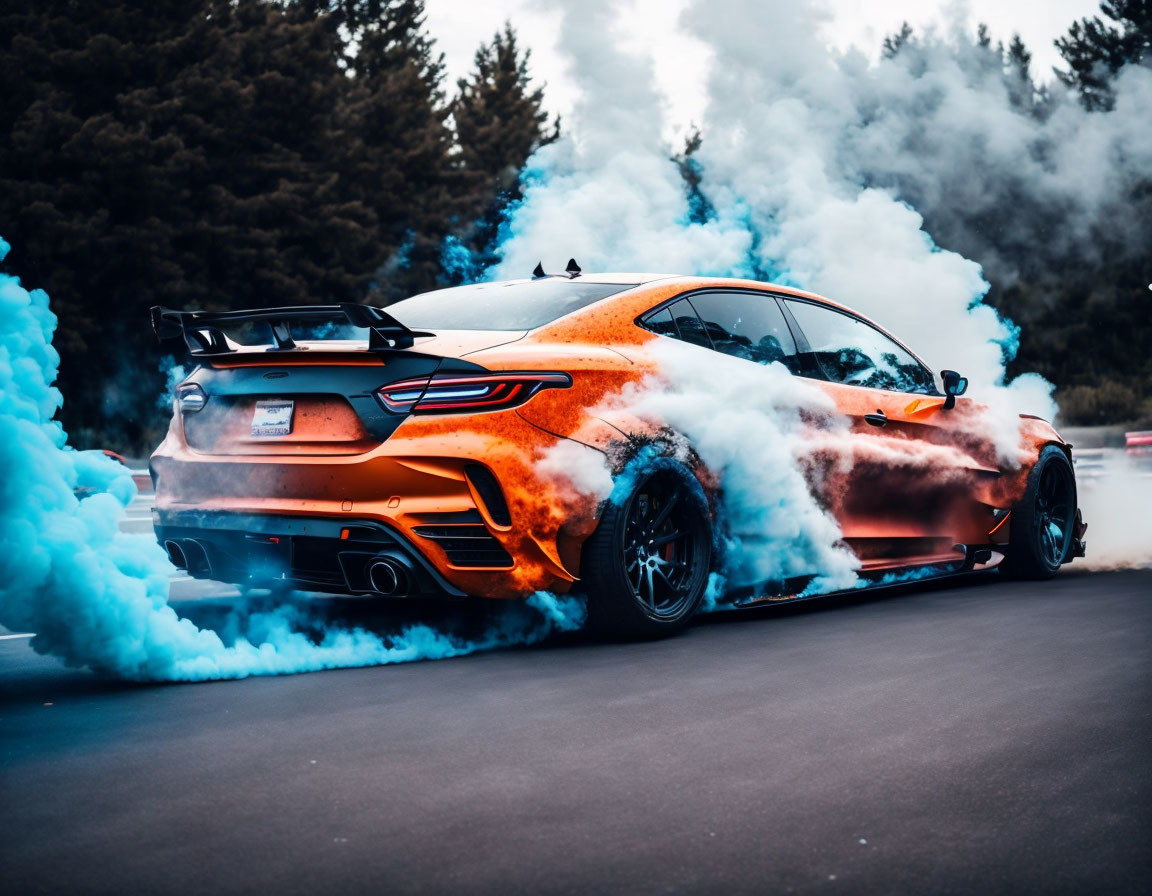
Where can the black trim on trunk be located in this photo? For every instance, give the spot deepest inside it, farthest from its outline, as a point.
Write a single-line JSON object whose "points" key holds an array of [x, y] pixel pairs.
{"points": [[357, 383]]}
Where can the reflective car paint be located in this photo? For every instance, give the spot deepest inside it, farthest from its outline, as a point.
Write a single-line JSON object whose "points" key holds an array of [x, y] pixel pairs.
{"points": [[329, 468]]}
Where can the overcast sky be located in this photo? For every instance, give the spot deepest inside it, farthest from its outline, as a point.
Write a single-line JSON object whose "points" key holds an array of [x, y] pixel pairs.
{"points": [[650, 26]]}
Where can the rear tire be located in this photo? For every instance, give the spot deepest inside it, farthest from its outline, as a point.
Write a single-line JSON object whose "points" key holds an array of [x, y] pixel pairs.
{"points": [[1044, 520], [646, 566]]}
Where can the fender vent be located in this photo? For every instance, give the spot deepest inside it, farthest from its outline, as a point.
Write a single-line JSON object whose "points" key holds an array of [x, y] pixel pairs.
{"points": [[467, 545], [490, 493]]}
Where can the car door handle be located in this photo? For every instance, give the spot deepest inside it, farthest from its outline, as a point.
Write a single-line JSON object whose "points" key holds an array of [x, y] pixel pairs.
{"points": [[877, 419]]}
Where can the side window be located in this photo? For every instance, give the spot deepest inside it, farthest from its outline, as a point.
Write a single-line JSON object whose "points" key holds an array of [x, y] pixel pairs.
{"points": [[747, 325], [850, 351], [661, 322], [679, 321]]}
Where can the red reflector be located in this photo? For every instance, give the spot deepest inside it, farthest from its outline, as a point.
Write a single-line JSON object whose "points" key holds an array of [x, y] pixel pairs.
{"points": [[343, 534], [274, 540]]}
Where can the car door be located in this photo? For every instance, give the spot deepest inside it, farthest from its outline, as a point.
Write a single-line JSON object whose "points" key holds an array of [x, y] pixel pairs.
{"points": [[755, 327], [915, 468]]}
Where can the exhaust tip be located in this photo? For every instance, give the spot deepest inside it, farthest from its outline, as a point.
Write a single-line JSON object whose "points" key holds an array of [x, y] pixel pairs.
{"points": [[196, 556], [176, 554], [387, 577]]}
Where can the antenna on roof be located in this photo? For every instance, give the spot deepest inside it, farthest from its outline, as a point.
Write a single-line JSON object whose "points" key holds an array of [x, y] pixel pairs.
{"points": [[538, 271], [573, 269]]}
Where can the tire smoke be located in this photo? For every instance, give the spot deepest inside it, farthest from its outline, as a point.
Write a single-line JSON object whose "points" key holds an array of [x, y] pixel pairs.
{"points": [[753, 428], [1117, 504], [98, 597], [808, 162]]}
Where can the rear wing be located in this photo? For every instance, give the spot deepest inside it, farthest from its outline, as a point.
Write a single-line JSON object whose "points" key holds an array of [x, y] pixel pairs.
{"points": [[199, 331]]}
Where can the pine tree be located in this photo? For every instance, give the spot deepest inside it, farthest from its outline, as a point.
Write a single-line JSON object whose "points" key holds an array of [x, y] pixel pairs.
{"points": [[500, 121], [499, 115], [1095, 50], [282, 226], [83, 194], [894, 43], [1022, 91], [176, 153], [399, 145], [225, 153], [987, 60]]}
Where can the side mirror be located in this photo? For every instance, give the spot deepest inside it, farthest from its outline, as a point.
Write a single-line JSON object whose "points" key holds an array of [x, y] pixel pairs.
{"points": [[954, 385]]}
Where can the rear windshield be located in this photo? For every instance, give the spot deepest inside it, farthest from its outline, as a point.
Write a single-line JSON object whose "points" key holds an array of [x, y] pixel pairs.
{"points": [[520, 305]]}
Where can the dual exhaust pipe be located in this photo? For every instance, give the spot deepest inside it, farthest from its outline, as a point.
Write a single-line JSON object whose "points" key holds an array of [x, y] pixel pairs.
{"points": [[388, 575], [188, 554]]}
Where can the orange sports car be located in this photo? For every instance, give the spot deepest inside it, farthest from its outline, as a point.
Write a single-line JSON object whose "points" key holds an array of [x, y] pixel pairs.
{"points": [[350, 449]]}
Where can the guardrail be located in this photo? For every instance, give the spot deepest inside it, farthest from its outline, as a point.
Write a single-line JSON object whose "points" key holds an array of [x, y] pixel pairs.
{"points": [[1134, 459], [1138, 444]]}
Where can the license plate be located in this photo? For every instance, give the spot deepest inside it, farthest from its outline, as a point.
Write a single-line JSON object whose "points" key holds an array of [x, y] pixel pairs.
{"points": [[272, 418]]}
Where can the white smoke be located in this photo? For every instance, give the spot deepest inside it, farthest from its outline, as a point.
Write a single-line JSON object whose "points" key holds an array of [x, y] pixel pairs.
{"points": [[794, 134], [796, 138], [1117, 505], [744, 421], [572, 465], [941, 125], [606, 193], [756, 430]]}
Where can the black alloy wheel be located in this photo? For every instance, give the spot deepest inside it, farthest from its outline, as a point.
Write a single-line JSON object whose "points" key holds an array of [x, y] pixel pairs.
{"points": [[1044, 521], [646, 566], [1055, 513]]}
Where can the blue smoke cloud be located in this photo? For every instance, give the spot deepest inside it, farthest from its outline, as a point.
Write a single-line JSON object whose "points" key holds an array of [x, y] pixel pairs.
{"points": [[98, 597]]}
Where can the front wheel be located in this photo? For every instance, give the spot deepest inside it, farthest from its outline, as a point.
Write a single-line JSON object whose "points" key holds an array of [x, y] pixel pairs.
{"points": [[1044, 520], [646, 566]]}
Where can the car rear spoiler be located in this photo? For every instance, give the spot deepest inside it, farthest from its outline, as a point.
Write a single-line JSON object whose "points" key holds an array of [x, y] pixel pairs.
{"points": [[200, 333]]}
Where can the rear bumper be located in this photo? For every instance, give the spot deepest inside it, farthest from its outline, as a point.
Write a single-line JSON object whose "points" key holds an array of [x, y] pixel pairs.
{"points": [[467, 501], [312, 554]]}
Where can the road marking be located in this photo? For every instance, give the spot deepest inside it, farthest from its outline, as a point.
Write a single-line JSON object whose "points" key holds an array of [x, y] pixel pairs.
{"points": [[10, 637]]}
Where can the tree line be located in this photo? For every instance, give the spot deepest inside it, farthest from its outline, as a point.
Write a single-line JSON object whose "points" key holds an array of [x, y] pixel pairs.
{"points": [[239, 153]]}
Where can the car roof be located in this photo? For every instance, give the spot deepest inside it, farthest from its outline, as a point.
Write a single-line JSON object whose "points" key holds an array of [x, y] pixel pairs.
{"points": [[688, 282], [698, 281], [677, 283]]}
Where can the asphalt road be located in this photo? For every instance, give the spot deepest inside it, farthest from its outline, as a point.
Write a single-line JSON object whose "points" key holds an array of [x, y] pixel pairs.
{"points": [[981, 736]]}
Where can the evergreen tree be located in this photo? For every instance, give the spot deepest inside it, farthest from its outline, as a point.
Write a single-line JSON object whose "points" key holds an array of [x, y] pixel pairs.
{"points": [[83, 187], [499, 115], [1095, 50], [176, 153], [894, 43], [500, 121], [1022, 92], [399, 146], [230, 153], [267, 206], [987, 60]]}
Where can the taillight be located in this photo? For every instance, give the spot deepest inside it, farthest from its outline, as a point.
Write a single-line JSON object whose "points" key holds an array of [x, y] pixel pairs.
{"points": [[455, 393], [190, 397]]}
